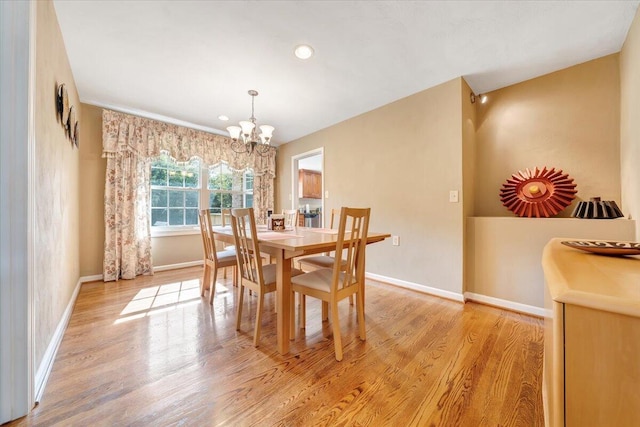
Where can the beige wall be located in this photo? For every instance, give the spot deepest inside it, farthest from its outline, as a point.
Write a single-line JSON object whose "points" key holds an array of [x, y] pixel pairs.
{"points": [[172, 250], [568, 120], [401, 160], [56, 257], [92, 172], [630, 122], [505, 258]]}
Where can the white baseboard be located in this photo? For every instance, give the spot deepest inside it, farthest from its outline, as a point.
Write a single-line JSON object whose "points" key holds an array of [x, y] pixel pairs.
{"points": [[100, 277], [417, 287], [42, 374], [94, 278], [176, 266], [501, 303]]}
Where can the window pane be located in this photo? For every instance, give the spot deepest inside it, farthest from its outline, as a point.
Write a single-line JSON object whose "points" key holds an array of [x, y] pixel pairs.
{"points": [[226, 201], [191, 199], [215, 201], [248, 181], [158, 217], [216, 218], [249, 201], [176, 216], [176, 198], [220, 178], [191, 217], [175, 179], [158, 176], [159, 198], [237, 200], [191, 180]]}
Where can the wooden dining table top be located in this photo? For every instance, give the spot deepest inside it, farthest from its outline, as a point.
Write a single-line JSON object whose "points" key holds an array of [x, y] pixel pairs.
{"points": [[300, 239]]}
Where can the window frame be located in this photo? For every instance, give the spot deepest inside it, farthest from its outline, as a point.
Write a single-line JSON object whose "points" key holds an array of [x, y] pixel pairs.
{"points": [[204, 194]]}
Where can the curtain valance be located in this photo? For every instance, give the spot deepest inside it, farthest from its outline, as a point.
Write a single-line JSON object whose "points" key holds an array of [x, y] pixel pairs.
{"points": [[148, 138]]}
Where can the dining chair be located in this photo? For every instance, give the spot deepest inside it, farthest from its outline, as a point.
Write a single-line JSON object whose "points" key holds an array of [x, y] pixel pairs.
{"points": [[320, 261], [213, 259], [261, 279], [334, 284], [325, 260], [290, 218]]}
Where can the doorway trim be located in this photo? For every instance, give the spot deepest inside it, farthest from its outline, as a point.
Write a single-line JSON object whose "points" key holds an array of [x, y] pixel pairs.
{"points": [[294, 177], [17, 200]]}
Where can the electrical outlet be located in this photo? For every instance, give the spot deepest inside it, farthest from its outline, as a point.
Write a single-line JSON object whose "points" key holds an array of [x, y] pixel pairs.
{"points": [[395, 240], [453, 196], [326, 194]]}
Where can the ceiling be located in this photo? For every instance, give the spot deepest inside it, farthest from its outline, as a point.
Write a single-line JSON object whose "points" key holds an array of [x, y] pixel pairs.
{"points": [[192, 61]]}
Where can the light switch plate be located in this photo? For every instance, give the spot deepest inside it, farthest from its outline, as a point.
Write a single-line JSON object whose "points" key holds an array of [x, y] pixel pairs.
{"points": [[453, 196], [395, 240]]}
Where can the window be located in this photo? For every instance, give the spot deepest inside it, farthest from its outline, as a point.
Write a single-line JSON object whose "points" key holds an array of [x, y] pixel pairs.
{"points": [[175, 192], [228, 188]]}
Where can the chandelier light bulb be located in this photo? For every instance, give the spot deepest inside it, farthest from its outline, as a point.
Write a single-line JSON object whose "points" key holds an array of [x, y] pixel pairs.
{"points": [[267, 131], [247, 127], [234, 132]]}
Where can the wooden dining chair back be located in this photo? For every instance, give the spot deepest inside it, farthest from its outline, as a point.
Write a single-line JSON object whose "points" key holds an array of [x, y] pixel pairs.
{"points": [[325, 260], [259, 278], [332, 219], [213, 259], [225, 215], [290, 218], [343, 279]]}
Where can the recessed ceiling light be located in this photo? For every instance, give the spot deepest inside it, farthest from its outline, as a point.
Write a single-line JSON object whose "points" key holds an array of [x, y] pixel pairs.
{"points": [[223, 118], [303, 51]]}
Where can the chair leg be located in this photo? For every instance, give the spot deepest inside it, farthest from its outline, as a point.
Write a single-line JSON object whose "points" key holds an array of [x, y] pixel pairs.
{"points": [[335, 321], [360, 310], [240, 303], [235, 275], [256, 333], [350, 299], [325, 311], [303, 311], [205, 280], [292, 317], [212, 288]]}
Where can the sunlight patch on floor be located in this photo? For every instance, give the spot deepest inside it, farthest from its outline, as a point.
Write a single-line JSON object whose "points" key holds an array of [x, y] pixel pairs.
{"points": [[160, 299]]}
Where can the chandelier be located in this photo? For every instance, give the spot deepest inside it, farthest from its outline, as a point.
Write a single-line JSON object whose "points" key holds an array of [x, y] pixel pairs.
{"points": [[245, 138]]}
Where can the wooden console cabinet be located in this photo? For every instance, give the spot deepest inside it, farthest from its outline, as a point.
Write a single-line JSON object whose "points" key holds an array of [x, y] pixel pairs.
{"points": [[592, 338]]}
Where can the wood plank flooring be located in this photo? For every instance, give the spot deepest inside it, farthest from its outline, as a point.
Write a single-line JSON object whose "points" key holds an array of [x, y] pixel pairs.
{"points": [[150, 351]]}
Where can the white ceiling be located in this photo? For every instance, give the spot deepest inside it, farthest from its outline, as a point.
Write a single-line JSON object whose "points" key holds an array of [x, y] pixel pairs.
{"points": [[194, 60]]}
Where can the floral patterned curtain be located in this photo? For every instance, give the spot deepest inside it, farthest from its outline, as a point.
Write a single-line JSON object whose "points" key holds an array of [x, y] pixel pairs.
{"points": [[129, 143]]}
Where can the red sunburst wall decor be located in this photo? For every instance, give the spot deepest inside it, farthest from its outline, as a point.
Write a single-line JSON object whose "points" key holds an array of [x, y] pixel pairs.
{"points": [[538, 193]]}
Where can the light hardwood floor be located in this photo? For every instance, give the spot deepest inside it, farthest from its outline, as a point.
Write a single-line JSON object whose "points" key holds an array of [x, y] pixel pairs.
{"points": [[150, 351]]}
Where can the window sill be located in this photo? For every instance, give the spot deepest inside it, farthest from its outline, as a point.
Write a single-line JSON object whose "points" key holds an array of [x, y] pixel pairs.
{"points": [[186, 231]]}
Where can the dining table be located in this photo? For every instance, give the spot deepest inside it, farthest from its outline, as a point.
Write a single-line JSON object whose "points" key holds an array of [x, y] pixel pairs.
{"points": [[284, 246]]}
